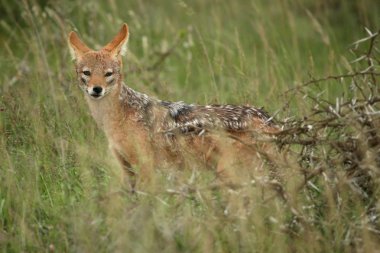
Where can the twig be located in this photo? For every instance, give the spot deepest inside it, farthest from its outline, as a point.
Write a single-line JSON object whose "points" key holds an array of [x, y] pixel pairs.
{"points": [[332, 77]]}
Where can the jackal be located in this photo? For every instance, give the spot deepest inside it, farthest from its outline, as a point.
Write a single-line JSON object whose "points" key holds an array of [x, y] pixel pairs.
{"points": [[146, 133]]}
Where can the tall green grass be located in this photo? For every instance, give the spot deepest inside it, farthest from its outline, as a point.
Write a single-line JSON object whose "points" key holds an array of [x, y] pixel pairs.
{"points": [[60, 188]]}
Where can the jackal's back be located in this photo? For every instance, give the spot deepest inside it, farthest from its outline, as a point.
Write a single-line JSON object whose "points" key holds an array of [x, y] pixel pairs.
{"points": [[184, 119], [233, 118]]}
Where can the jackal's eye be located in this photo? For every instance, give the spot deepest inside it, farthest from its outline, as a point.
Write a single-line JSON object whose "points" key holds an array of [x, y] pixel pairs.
{"points": [[86, 73], [109, 73]]}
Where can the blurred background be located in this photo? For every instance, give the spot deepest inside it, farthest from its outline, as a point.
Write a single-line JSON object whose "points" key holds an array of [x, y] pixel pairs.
{"points": [[57, 178]]}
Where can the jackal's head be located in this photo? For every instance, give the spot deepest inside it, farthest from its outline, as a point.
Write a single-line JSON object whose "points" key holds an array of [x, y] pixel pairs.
{"points": [[99, 71]]}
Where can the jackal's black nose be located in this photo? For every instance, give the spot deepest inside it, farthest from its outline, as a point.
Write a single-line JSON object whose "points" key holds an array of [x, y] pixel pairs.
{"points": [[97, 89]]}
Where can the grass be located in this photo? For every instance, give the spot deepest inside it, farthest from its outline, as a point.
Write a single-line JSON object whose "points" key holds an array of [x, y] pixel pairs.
{"points": [[61, 189]]}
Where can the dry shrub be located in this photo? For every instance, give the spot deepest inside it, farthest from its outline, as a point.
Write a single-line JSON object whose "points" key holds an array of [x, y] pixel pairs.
{"points": [[336, 148]]}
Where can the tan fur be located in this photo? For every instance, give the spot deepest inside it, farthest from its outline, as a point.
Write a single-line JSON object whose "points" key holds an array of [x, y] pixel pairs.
{"points": [[146, 133]]}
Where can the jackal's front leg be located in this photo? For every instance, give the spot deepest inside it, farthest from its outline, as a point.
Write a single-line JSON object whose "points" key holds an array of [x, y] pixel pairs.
{"points": [[127, 168]]}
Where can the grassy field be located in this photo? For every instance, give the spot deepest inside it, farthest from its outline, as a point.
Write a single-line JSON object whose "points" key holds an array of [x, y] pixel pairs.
{"points": [[61, 190]]}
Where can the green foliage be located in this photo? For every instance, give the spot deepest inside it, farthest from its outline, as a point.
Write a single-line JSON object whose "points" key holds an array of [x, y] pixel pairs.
{"points": [[61, 189]]}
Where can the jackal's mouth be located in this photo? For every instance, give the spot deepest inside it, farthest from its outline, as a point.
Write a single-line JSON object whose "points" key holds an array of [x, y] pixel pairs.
{"points": [[96, 96]]}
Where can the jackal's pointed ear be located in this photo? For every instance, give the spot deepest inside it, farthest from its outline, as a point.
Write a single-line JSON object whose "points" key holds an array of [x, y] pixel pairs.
{"points": [[77, 47], [118, 46]]}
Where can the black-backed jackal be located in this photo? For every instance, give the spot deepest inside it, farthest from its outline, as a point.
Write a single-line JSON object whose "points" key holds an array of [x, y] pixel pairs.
{"points": [[145, 133]]}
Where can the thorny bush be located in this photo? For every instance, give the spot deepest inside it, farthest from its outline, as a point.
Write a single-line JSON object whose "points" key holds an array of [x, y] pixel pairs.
{"points": [[337, 144]]}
